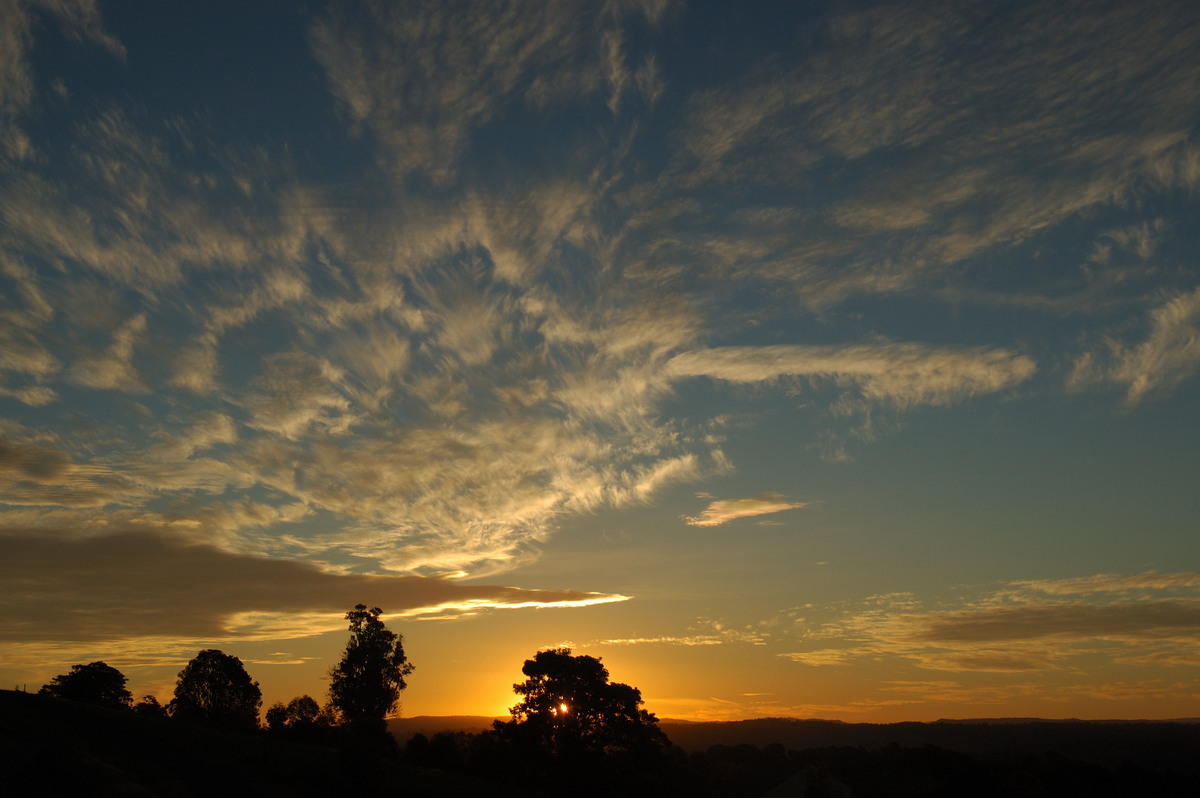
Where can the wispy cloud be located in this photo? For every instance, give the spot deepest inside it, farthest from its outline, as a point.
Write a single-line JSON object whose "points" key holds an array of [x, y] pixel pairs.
{"points": [[1114, 583], [1135, 620], [703, 632], [905, 86], [113, 368], [35, 475], [723, 511], [903, 375], [78, 20], [24, 357], [1169, 354], [690, 640], [448, 372], [426, 77], [1027, 626]]}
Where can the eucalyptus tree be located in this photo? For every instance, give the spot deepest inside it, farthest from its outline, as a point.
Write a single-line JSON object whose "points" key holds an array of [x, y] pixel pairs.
{"points": [[364, 687]]}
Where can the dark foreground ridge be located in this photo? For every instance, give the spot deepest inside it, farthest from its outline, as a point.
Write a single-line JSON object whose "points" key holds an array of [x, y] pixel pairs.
{"points": [[65, 748], [977, 757], [1156, 744], [56, 747]]}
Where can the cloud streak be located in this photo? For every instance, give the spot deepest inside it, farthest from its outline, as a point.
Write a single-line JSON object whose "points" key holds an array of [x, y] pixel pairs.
{"points": [[143, 585], [723, 511], [1042, 625], [1169, 354], [904, 375]]}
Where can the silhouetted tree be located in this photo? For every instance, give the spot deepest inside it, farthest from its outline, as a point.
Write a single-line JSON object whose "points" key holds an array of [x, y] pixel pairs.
{"points": [[94, 683], [365, 686], [571, 709], [301, 719], [298, 712], [417, 749], [215, 690], [150, 708]]}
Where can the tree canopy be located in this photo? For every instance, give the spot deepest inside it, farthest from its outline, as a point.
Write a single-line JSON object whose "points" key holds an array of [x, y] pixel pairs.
{"points": [[215, 690], [298, 713], [94, 683], [570, 708], [149, 707], [365, 686]]}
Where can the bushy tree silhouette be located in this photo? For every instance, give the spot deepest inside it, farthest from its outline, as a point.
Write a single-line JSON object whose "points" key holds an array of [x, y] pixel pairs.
{"points": [[301, 719], [215, 690], [570, 709], [149, 707], [297, 713], [365, 686], [94, 683]]}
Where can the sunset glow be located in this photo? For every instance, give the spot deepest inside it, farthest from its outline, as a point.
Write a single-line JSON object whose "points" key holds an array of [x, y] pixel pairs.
{"points": [[796, 359]]}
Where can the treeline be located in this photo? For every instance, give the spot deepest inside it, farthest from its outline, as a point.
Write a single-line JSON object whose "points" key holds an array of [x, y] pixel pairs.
{"points": [[574, 732], [572, 727], [215, 690]]}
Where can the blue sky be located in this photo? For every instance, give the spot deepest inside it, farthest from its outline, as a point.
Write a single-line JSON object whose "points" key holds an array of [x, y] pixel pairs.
{"points": [[797, 360]]}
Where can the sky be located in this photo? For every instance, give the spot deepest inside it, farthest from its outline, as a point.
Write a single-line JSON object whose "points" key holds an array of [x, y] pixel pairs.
{"points": [[797, 359]]}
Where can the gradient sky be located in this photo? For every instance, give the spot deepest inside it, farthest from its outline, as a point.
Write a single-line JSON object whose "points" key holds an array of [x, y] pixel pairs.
{"points": [[809, 359]]}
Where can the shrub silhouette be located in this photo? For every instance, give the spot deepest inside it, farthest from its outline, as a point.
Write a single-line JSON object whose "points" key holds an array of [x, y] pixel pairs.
{"points": [[94, 683], [301, 720], [149, 707], [298, 712]]}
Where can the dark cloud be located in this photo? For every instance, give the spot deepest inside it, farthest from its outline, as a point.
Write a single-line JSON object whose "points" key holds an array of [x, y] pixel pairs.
{"points": [[1143, 619], [33, 475], [136, 584], [35, 463]]}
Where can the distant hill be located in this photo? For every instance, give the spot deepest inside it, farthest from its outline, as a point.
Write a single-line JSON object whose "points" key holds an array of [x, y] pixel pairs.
{"points": [[429, 725], [1169, 745], [1157, 745]]}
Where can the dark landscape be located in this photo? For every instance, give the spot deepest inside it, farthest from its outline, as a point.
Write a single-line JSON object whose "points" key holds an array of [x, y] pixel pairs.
{"points": [[59, 748]]}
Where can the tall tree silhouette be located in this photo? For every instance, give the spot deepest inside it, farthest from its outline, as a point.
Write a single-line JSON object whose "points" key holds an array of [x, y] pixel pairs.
{"points": [[365, 686], [94, 683], [215, 690]]}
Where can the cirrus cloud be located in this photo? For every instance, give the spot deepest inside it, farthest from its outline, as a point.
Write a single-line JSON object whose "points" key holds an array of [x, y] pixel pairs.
{"points": [[900, 374], [1034, 625], [725, 510]]}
